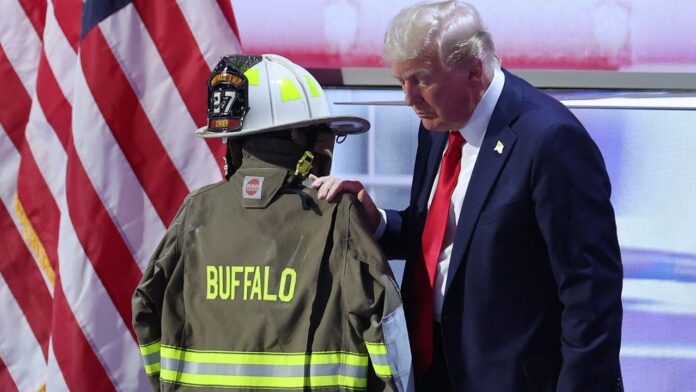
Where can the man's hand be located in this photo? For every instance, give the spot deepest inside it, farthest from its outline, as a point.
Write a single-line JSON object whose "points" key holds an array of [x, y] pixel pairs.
{"points": [[329, 187]]}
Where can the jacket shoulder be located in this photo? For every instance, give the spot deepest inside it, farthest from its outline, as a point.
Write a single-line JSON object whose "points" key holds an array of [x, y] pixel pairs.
{"points": [[539, 112], [205, 190], [360, 244]]}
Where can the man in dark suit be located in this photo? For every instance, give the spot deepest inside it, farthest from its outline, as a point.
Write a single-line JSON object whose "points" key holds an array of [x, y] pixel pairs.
{"points": [[513, 272]]}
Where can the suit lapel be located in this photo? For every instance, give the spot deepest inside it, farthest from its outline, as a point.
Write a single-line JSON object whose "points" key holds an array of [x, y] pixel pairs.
{"points": [[497, 145]]}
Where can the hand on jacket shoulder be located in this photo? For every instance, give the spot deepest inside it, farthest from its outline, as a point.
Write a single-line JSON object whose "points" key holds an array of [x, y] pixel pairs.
{"points": [[328, 187]]}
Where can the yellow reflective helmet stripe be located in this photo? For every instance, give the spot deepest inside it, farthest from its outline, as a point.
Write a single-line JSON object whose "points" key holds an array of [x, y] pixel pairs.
{"points": [[288, 90], [252, 75], [314, 89]]}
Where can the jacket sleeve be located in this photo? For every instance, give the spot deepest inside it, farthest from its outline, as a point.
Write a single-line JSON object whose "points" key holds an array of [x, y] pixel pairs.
{"points": [[571, 193], [148, 299], [376, 310]]}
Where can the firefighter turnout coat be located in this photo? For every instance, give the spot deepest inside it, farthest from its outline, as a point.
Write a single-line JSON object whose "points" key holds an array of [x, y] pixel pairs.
{"points": [[250, 291]]}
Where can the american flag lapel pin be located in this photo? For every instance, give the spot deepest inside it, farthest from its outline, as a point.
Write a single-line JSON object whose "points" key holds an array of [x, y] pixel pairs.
{"points": [[499, 147]]}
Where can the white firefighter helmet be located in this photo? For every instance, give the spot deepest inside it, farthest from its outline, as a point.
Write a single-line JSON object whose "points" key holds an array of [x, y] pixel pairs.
{"points": [[248, 95]]}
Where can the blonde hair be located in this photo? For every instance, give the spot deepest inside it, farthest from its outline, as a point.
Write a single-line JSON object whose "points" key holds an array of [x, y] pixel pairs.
{"points": [[451, 31]]}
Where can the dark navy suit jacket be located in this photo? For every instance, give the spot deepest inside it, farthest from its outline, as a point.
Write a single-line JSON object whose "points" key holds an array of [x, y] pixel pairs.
{"points": [[533, 295]]}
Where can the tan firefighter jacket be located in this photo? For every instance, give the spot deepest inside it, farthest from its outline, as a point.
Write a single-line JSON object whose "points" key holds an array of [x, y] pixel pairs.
{"points": [[249, 291]]}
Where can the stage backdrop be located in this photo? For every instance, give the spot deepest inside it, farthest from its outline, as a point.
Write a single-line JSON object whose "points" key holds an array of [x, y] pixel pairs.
{"points": [[625, 35]]}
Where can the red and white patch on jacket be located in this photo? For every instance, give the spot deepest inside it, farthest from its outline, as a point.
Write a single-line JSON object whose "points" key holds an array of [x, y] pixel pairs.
{"points": [[252, 187]]}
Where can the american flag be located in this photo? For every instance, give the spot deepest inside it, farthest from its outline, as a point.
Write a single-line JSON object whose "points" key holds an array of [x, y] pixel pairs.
{"points": [[98, 103]]}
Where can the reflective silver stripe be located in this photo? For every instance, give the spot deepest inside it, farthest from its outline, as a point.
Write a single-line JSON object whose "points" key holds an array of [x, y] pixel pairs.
{"points": [[398, 349], [379, 359], [151, 358], [234, 369]]}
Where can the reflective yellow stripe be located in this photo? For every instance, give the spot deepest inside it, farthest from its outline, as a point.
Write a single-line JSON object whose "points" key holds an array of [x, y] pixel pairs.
{"points": [[378, 353], [376, 348], [314, 89], [252, 75], [288, 90], [382, 370], [149, 348], [263, 382], [152, 368], [251, 358]]}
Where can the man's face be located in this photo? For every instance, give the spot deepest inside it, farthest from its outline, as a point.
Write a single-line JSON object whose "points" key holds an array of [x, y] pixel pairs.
{"points": [[443, 99]]}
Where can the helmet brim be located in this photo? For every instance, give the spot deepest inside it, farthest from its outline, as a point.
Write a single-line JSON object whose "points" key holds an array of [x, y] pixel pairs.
{"points": [[339, 125]]}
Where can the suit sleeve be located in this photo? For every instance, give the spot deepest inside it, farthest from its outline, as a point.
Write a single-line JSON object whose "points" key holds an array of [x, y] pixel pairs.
{"points": [[376, 312], [149, 296], [398, 235], [571, 191], [394, 239]]}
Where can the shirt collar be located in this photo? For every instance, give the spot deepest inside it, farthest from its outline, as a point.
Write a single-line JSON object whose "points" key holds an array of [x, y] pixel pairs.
{"points": [[475, 128]]}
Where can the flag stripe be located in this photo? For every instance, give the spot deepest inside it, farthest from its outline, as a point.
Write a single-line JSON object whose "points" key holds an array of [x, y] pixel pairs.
{"points": [[6, 381], [71, 369], [24, 298], [214, 36], [16, 264], [24, 280], [33, 192], [167, 27], [81, 368], [174, 40], [118, 189], [49, 156], [226, 7], [20, 42], [60, 53], [110, 257], [105, 327], [35, 11], [14, 101], [53, 102], [113, 262], [41, 185], [160, 97], [145, 153], [54, 380], [38, 199], [68, 14], [21, 352]]}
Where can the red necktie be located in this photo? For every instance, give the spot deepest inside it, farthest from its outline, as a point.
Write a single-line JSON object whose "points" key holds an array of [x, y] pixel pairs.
{"points": [[421, 320]]}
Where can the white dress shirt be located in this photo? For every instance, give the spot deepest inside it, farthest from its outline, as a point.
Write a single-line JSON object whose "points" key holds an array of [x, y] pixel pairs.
{"points": [[473, 133]]}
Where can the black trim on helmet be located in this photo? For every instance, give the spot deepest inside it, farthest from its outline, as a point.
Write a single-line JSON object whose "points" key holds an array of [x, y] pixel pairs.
{"points": [[228, 93]]}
